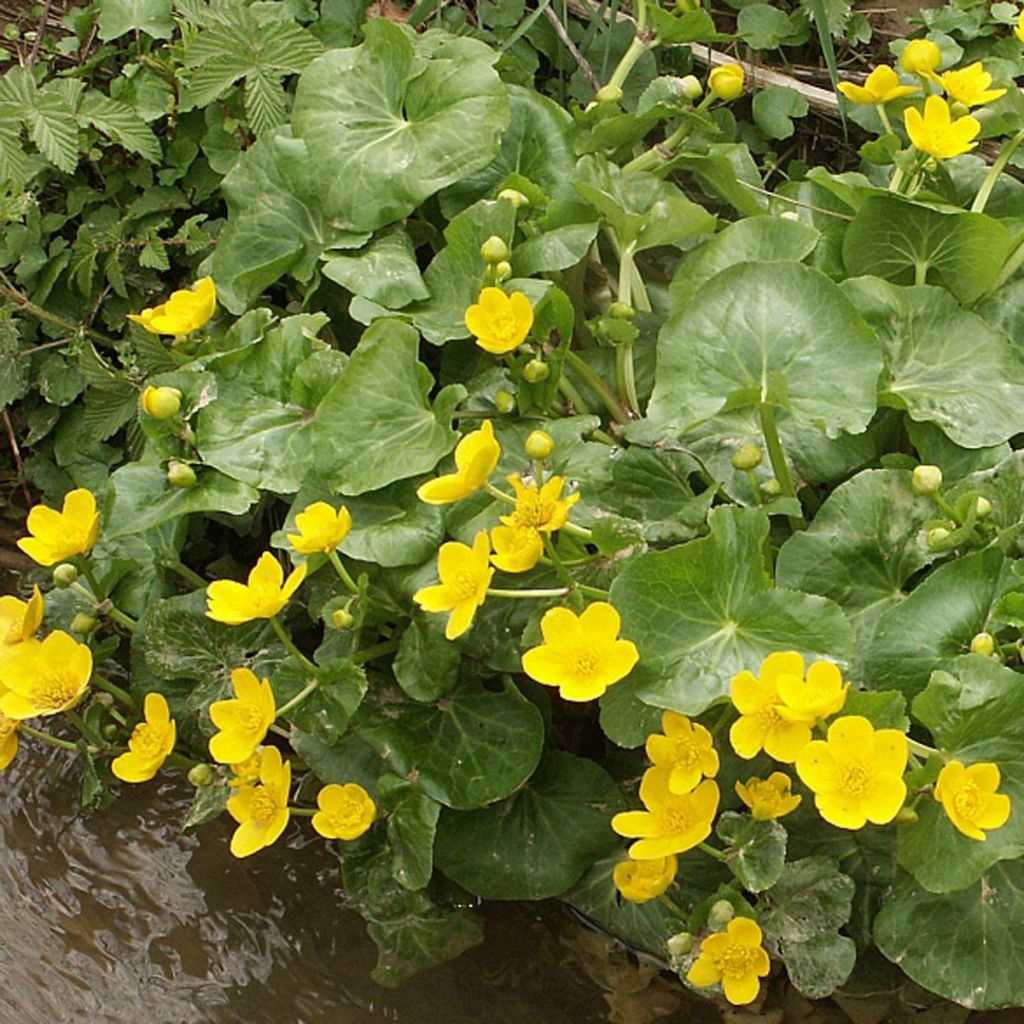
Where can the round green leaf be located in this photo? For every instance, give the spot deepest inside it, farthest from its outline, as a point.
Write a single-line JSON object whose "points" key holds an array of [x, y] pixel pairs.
{"points": [[389, 123], [539, 842], [779, 333]]}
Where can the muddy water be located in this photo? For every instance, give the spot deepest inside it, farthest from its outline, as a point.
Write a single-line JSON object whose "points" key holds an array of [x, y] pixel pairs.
{"points": [[119, 919]]}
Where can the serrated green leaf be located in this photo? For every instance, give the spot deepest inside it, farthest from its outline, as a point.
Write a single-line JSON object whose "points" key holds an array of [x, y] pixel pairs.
{"points": [[121, 123], [118, 17]]}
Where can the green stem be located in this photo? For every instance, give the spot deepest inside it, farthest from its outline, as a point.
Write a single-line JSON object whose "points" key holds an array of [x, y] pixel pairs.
{"points": [[99, 593], [25, 305], [342, 572], [369, 653], [186, 573], [583, 588], [56, 741], [79, 723], [495, 493], [1009, 148], [880, 107], [778, 458], [921, 272], [896, 181], [298, 698], [282, 635], [921, 749], [563, 573], [637, 48], [121, 617], [115, 691], [553, 592], [598, 386], [754, 486], [573, 396], [946, 508], [711, 851], [628, 376], [673, 906], [578, 531], [302, 812]]}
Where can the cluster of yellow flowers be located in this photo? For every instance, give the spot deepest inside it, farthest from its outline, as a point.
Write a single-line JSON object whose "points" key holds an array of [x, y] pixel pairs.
{"points": [[936, 131]]}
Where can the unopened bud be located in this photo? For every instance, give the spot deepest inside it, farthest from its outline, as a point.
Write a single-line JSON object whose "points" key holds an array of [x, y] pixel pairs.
{"points": [[905, 817], [927, 479], [983, 508], [104, 699], [540, 444], [536, 370], [685, 6], [621, 311], [200, 775], [721, 913], [937, 536], [180, 474], [747, 456], [690, 85], [108, 730], [679, 945], [160, 403], [514, 196], [502, 271], [504, 401], [342, 618], [771, 487], [64, 575], [958, 109], [983, 643], [83, 623], [494, 250], [608, 94]]}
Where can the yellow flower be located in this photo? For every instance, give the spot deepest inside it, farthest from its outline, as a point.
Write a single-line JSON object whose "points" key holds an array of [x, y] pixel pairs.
{"points": [[46, 679], [59, 535], [321, 528], [8, 741], [726, 81], [262, 810], [937, 133], [581, 656], [735, 958], [969, 798], [970, 85], [1019, 29], [685, 749], [262, 597], [768, 798], [516, 548], [476, 455], [149, 744], [540, 508], [815, 698], [500, 322], [641, 880], [19, 621], [346, 812], [465, 576], [246, 772], [922, 57], [857, 775], [243, 722], [185, 311], [882, 85], [160, 403], [761, 726], [672, 822]]}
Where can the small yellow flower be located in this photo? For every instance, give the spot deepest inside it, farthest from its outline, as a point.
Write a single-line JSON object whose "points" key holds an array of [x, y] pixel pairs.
{"points": [[969, 798], [476, 455], [500, 322], [815, 698], [671, 822], [726, 81], [160, 403], [346, 812], [882, 86], [685, 749], [262, 597], [149, 744], [761, 726], [937, 133], [540, 508], [857, 775], [641, 880], [243, 721], [19, 621], [246, 772], [922, 57], [735, 958], [1019, 28], [516, 548], [261, 810], [970, 85], [321, 528], [59, 535], [8, 740], [47, 678], [185, 311], [768, 798], [465, 576], [581, 656]]}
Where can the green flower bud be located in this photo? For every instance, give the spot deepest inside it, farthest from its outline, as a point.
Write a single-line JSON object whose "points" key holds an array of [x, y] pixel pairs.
{"points": [[104, 699], [540, 445], [690, 85], [342, 618], [720, 914], [514, 196], [180, 474], [685, 6], [679, 945], [771, 487], [201, 775], [504, 401], [64, 575], [536, 370], [621, 311], [747, 456], [927, 479], [160, 403], [502, 271], [905, 817], [983, 643], [937, 536], [609, 94], [108, 730], [983, 508], [958, 109], [83, 623], [494, 250]]}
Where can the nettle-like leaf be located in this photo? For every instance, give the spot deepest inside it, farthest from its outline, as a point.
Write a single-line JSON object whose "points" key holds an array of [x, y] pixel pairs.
{"points": [[46, 115], [119, 17], [261, 51]]}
